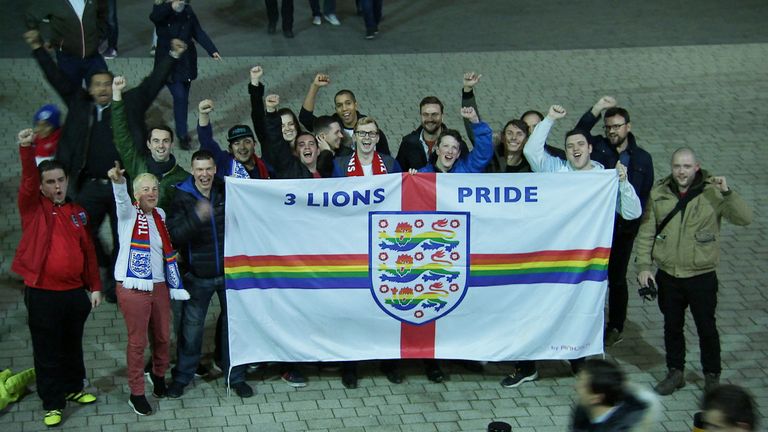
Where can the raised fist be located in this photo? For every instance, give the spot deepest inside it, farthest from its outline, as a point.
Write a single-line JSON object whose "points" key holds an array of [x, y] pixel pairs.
{"points": [[605, 102], [256, 73], [26, 136], [470, 114], [205, 106], [271, 102], [119, 83], [471, 79], [321, 80], [556, 112]]}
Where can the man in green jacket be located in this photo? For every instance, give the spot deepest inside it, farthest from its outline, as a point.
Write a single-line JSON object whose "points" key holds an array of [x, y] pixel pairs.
{"points": [[680, 232], [159, 162]]}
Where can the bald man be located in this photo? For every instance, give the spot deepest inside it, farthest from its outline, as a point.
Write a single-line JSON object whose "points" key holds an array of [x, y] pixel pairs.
{"points": [[680, 233]]}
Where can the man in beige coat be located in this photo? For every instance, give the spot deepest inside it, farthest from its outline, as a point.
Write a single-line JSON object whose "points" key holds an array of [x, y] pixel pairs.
{"points": [[680, 233]]}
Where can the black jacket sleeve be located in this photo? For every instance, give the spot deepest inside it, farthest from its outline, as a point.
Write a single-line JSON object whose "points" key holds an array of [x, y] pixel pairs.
{"points": [[257, 113], [183, 223], [55, 77]]}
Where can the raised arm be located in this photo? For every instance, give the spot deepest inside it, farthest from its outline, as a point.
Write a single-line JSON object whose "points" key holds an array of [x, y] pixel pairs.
{"points": [[275, 150], [590, 118], [628, 205], [142, 96], [256, 92], [307, 112], [205, 133], [732, 207], [29, 187], [53, 74], [534, 151], [482, 152], [468, 100], [121, 134], [123, 205]]}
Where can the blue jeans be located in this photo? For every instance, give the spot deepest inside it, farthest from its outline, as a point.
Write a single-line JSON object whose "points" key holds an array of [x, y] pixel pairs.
{"points": [[77, 69], [180, 92], [372, 13], [329, 7], [190, 343]]}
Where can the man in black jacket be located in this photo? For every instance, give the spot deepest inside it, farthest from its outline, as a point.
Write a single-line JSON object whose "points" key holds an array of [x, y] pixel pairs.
{"points": [[196, 226], [345, 104], [416, 147], [619, 144], [86, 146], [604, 403]]}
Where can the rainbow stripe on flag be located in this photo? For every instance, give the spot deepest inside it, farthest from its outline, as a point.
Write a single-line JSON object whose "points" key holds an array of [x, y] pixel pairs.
{"points": [[352, 271]]}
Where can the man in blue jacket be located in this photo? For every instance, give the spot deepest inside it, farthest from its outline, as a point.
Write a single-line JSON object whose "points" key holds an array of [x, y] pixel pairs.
{"points": [[196, 226]]}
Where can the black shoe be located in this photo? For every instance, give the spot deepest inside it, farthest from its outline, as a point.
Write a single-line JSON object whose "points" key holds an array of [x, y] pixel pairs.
{"points": [[393, 374], [158, 384], [140, 405], [349, 379], [370, 34], [576, 365], [711, 380], [288, 34], [519, 377], [272, 28], [175, 390], [242, 389], [201, 371], [434, 373]]}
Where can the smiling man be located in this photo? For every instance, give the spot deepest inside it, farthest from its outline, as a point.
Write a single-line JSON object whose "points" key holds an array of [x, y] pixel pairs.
{"points": [[196, 226], [680, 232], [160, 162], [241, 161], [365, 160], [577, 153], [346, 112], [618, 145], [448, 158]]}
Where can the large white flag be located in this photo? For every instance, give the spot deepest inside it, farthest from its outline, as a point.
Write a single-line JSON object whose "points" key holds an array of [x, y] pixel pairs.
{"points": [[479, 267]]}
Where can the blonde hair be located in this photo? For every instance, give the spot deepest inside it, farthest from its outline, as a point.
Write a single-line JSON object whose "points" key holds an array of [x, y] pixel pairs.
{"points": [[365, 121], [140, 178]]}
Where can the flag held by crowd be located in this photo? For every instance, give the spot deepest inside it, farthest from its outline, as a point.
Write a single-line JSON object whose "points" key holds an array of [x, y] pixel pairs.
{"points": [[492, 267]]}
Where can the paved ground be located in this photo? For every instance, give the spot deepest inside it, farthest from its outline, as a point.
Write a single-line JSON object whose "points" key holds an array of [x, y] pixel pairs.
{"points": [[709, 96]]}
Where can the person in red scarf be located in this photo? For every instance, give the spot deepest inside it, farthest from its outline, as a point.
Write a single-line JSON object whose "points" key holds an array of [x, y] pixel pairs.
{"points": [[365, 160], [148, 278]]}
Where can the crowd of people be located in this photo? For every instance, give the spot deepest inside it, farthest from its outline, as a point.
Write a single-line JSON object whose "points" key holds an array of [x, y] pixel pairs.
{"points": [[75, 175]]}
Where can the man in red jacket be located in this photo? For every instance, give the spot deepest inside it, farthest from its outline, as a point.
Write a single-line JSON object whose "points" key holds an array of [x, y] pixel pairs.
{"points": [[57, 260]]}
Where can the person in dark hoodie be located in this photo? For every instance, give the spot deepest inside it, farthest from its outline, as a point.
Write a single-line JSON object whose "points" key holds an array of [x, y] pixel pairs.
{"points": [[448, 157], [196, 226], [175, 19], [606, 403]]}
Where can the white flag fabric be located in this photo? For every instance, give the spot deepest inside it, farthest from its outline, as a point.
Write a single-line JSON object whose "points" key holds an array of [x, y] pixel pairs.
{"points": [[479, 267]]}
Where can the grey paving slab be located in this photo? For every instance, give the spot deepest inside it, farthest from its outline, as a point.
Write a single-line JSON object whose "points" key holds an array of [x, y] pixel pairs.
{"points": [[714, 98]]}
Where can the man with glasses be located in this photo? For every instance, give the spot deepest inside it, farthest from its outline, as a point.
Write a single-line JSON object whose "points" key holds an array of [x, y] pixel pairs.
{"points": [[618, 145], [365, 160]]}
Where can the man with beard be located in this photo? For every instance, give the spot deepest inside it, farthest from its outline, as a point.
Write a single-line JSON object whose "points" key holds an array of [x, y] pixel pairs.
{"points": [[241, 160], [346, 113], [680, 232], [619, 145], [417, 147], [160, 162], [448, 153]]}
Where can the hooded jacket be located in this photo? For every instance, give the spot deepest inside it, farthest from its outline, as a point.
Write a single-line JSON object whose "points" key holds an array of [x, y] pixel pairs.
{"points": [[690, 243]]}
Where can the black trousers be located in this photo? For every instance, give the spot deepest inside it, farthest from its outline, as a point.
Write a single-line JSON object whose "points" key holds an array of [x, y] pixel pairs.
{"points": [[621, 251], [95, 196], [56, 321], [273, 14], [700, 293]]}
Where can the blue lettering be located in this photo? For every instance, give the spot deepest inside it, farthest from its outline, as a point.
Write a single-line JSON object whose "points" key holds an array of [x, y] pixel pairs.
{"points": [[511, 194], [311, 199], [340, 199], [531, 194], [483, 194], [290, 199], [378, 195], [361, 197], [464, 192]]}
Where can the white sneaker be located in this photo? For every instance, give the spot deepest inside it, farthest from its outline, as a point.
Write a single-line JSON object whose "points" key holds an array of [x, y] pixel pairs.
{"points": [[333, 19], [316, 20]]}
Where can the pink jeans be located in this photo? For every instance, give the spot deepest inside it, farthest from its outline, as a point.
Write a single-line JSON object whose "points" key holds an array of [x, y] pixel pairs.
{"points": [[146, 311]]}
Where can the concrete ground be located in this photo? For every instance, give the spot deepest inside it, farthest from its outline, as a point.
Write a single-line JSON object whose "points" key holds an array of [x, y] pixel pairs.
{"points": [[692, 74]]}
